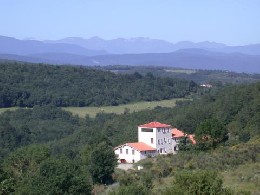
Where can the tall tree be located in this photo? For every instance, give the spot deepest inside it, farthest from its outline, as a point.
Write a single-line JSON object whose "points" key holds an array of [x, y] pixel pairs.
{"points": [[102, 163]]}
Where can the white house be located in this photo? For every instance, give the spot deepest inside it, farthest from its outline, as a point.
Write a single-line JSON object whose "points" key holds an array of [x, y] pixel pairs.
{"points": [[154, 138], [133, 152]]}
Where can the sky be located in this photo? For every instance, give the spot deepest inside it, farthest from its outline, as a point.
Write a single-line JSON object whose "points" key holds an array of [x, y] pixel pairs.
{"points": [[233, 22]]}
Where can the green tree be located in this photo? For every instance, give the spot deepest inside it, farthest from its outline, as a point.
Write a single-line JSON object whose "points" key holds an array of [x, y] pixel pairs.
{"points": [[102, 163], [197, 182], [58, 175], [209, 133]]}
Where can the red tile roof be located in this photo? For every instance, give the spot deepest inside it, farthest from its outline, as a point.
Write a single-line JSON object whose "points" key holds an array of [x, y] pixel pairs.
{"points": [[177, 133], [140, 146], [154, 125], [191, 137]]}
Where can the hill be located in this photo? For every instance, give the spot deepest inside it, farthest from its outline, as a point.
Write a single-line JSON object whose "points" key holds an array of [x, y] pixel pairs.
{"points": [[32, 84], [138, 45], [188, 58], [40, 143], [9, 45]]}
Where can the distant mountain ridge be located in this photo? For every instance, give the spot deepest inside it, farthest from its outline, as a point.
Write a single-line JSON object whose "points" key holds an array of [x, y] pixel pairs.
{"points": [[134, 51], [9, 45], [186, 58], [135, 45], [146, 45]]}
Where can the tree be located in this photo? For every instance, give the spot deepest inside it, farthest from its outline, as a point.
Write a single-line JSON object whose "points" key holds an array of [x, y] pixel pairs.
{"points": [[197, 182], [102, 163], [209, 133], [60, 176], [24, 162]]}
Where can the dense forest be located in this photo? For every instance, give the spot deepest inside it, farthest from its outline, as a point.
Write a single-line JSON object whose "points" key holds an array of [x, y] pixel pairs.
{"points": [[27, 85], [198, 76], [44, 148]]}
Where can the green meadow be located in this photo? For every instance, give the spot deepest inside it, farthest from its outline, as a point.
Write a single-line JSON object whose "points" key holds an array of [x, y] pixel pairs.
{"points": [[120, 109], [132, 107], [7, 109]]}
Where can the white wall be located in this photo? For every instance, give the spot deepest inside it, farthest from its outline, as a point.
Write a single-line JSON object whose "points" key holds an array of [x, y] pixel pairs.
{"points": [[130, 158], [164, 135], [145, 137], [164, 140]]}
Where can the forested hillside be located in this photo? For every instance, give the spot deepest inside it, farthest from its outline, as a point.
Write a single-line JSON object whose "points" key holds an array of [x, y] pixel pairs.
{"points": [[24, 84], [39, 143]]}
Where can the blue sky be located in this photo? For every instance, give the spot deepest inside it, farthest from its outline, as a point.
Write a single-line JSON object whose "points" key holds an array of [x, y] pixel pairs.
{"points": [[234, 22]]}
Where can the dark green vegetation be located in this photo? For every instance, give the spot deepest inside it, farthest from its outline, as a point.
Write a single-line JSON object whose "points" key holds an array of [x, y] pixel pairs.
{"points": [[199, 76], [46, 150], [26, 85]]}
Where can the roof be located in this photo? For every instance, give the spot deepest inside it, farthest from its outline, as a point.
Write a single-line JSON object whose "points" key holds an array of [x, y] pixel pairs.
{"points": [[191, 137], [154, 125], [140, 146], [176, 133]]}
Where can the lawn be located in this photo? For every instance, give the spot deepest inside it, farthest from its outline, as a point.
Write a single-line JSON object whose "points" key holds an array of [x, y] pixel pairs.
{"points": [[132, 107]]}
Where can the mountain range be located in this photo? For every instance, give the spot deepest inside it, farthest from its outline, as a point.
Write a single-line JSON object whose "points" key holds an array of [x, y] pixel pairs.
{"points": [[134, 51]]}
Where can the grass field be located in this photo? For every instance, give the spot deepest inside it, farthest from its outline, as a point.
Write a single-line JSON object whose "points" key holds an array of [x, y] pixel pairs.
{"points": [[133, 107], [7, 109], [186, 71]]}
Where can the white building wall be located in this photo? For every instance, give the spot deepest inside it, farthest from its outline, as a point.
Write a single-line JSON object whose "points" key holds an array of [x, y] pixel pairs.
{"points": [[145, 154], [162, 139], [146, 137], [130, 157]]}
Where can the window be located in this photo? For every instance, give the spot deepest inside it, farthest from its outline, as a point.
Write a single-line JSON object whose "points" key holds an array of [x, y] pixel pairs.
{"points": [[126, 151], [159, 130], [146, 130], [175, 148], [151, 140], [158, 142], [121, 151], [133, 152], [160, 150]]}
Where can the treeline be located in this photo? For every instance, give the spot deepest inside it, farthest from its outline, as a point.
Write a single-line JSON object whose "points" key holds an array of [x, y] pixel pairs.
{"points": [[26, 85], [199, 76]]}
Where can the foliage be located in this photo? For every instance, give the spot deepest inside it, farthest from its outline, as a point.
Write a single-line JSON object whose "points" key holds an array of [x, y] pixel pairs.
{"points": [[209, 133], [199, 76], [102, 163], [38, 125], [27, 85], [197, 182], [60, 176]]}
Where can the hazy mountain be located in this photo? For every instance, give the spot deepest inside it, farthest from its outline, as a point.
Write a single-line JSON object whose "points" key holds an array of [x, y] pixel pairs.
{"points": [[253, 49], [135, 45], [187, 58], [147, 45], [121, 45], [14, 46]]}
